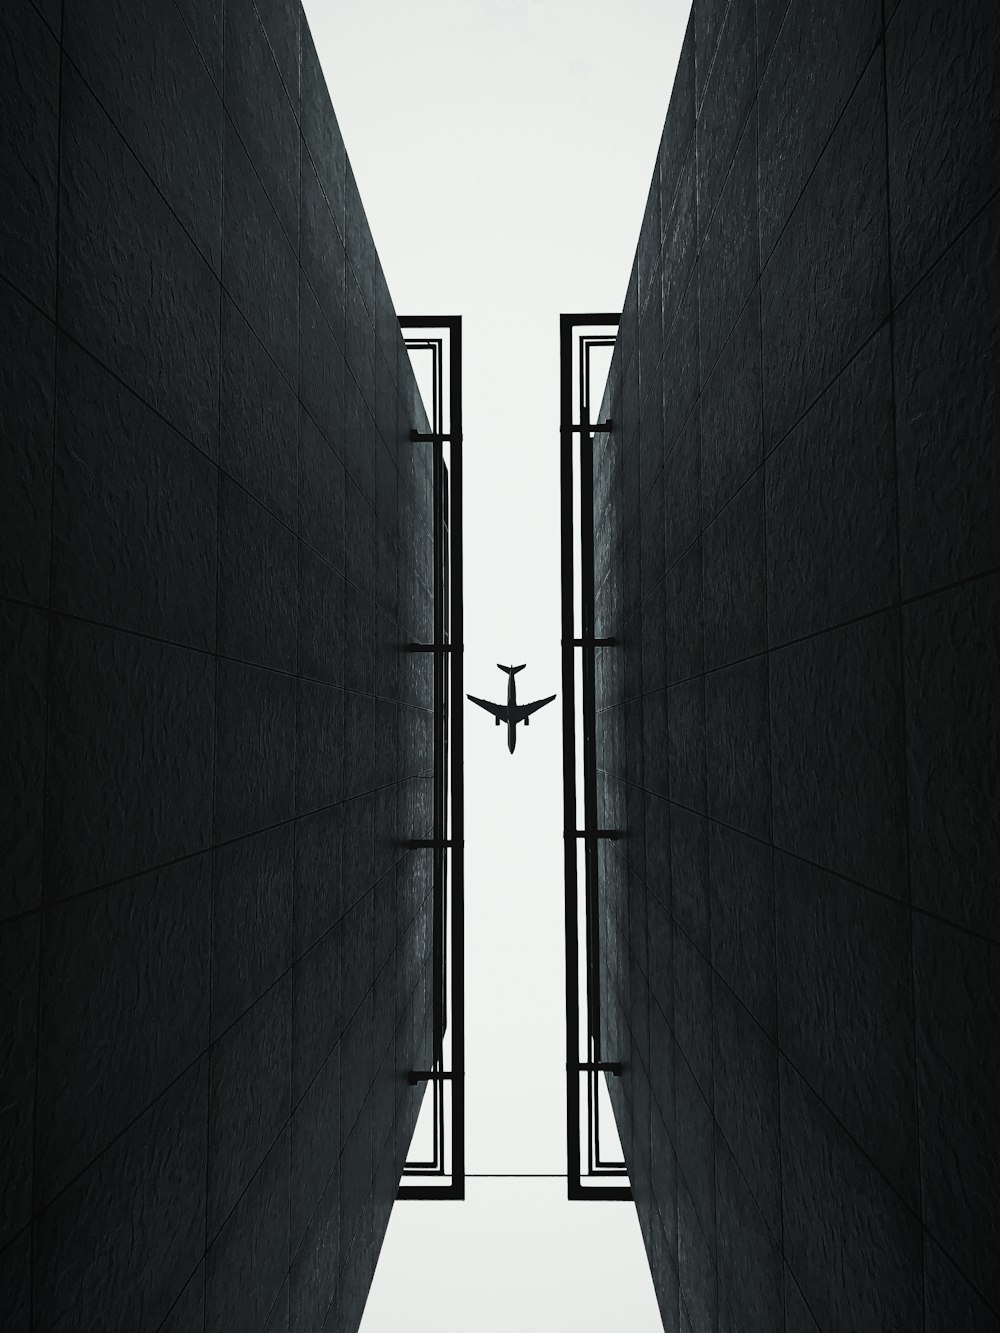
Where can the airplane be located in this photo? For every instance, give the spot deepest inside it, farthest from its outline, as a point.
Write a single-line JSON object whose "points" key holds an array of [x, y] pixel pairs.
{"points": [[512, 712]]}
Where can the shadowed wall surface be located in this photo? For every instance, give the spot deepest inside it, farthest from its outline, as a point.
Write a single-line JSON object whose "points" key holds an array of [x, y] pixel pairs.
{"points": [[796, 550], [214, 945]]}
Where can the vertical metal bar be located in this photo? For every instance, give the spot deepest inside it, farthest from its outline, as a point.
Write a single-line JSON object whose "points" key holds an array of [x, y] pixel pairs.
{"points": [[576, 1190], [448, 696], [439, 723], [587, 673], [446, 756], [581, 372], [457, 771], [569, 757], [437, 481]]}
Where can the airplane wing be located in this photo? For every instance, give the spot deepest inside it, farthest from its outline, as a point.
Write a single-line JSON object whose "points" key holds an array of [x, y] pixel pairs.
{"points": [[498, 710], [526, 710]]}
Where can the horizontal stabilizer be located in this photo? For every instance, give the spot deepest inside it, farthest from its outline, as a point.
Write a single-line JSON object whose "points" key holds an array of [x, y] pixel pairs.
{"points": [[512, 671]]}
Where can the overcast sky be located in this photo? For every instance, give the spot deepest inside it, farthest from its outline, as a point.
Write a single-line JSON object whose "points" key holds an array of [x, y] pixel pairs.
{"points": [[503, 149]]}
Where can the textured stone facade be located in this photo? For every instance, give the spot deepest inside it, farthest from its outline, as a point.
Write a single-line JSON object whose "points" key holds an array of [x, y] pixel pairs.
{"points": [[214, 536], [797, 551]]}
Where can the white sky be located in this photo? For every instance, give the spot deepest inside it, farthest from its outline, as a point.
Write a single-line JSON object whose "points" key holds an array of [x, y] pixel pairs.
{"points": [[503, 149]]}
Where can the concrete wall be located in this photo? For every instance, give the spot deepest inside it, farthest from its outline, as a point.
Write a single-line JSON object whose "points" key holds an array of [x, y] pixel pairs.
{"points": [[214, 948], [797, 549]]}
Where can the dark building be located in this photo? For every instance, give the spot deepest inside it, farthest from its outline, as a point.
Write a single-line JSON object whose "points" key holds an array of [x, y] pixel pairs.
{"points": [[216, 532], [797, 543]]}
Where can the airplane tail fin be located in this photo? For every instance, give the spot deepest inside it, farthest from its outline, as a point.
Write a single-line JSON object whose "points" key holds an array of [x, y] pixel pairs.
{"points": [[512, 670]]}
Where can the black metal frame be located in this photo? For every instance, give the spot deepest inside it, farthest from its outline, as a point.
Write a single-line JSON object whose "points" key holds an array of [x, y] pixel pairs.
{"points": [[592, 1065], [449, 787]]}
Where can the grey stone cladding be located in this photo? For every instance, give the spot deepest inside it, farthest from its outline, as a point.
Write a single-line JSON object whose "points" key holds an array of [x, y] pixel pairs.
{"points": [[797, 556], [214, 536]]}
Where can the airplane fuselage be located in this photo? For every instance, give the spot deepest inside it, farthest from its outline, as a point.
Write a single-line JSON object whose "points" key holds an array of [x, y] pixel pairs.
{"points": [[511, 713]]}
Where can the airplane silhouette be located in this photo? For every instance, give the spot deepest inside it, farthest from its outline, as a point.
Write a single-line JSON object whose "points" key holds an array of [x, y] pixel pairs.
{"points": [[512, 712]]}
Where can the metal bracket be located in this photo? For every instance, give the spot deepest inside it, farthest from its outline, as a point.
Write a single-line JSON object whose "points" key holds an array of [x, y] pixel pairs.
{"points": [[593, 428], [429, 436]]}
